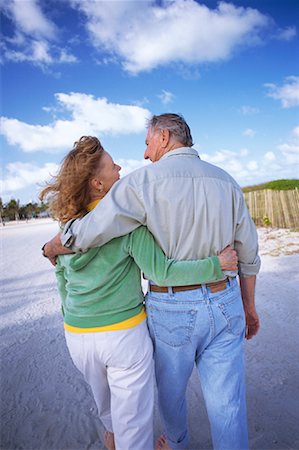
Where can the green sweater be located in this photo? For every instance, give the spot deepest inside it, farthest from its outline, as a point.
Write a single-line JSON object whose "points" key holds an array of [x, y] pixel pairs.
{"points": [[103, 286]]}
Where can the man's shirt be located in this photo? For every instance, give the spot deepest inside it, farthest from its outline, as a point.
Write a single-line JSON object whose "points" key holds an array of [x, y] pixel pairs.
{"points": [[194, 210]]}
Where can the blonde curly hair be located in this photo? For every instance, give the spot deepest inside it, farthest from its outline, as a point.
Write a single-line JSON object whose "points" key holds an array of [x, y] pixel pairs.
{"points": [[68, 191]]}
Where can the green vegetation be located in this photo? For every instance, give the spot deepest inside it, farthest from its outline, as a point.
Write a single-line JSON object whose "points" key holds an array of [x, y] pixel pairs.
{"points": [[278, 185], [266, 221], [12, 210]]}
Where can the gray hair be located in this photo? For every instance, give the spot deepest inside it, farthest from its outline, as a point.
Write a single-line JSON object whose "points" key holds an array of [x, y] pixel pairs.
{"points": [[175, 124]]}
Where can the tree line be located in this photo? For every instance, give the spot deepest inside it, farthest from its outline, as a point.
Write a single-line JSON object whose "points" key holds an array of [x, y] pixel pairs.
{"points": [[13, 210]]}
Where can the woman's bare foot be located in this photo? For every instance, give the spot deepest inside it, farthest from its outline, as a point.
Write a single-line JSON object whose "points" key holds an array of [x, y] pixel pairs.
{"points": [[109, 440], [161, 443]]}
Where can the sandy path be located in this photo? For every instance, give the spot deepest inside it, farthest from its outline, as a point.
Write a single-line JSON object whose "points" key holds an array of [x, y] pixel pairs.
{"points": [[47, 406]]}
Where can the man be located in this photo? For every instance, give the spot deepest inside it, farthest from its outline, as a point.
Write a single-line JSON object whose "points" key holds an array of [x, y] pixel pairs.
{"points": [[194, 210]]}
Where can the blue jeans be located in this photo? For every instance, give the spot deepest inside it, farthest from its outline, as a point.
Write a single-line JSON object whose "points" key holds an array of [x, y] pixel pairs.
{"points": [[207, 329]]}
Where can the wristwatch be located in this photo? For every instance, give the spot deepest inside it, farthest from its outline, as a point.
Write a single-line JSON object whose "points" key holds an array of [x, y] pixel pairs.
{"points": [[43, 250]]}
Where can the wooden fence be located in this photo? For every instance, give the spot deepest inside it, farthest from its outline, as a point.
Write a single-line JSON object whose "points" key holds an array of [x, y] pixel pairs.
{"points": [[276, 208]]}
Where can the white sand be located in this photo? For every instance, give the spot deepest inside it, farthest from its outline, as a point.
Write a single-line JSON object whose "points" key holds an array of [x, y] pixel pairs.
{"points": [[46, 404]]}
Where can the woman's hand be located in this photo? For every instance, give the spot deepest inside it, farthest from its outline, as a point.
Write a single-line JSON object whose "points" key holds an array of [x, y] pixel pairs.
{"points": [[228, 259], [54, 248]]}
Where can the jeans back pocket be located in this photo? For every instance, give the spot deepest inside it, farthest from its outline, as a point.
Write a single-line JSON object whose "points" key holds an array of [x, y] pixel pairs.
{"points": [[233, 311], [173, 326]]}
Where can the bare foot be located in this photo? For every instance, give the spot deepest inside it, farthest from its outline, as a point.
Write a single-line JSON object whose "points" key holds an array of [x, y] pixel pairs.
{"points": [[161, 443], [109, 440]]}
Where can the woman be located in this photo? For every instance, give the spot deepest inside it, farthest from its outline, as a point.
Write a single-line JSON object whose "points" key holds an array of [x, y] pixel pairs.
{"points": [[102, 299]]}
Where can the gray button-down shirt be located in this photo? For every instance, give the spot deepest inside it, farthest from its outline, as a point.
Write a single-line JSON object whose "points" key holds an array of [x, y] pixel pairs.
{"points": [[193, 208]]}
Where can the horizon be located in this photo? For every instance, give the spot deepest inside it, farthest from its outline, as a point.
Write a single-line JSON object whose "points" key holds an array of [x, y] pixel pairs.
{"points": [[40, 202], [102, 68]]}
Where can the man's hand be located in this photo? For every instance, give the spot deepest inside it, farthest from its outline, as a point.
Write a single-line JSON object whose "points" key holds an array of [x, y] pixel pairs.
{"points": [[252, 324], [247, 285], [54, 248]]}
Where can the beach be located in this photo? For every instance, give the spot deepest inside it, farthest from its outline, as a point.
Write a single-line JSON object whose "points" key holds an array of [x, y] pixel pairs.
{"points": [[46, 405]]}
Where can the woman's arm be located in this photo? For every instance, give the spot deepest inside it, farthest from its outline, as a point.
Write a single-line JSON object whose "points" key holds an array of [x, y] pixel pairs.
{"points": [[61, 283], [168, 272]]}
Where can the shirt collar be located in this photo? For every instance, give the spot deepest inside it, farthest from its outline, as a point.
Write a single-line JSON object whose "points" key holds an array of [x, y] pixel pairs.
{"points": [[92, 205], [181, 151]]}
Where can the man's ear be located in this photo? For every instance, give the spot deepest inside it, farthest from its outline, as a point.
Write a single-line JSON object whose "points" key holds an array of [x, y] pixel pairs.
{"points": [[165, 138]]}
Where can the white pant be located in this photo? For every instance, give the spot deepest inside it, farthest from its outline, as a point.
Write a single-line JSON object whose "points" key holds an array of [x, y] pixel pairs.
{"points": [[118, 365]]}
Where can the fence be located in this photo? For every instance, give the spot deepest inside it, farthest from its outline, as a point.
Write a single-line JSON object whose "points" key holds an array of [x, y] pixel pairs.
{"points": [[277, 208]]}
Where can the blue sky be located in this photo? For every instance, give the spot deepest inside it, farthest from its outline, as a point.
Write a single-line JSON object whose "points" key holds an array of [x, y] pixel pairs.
{"points": [[71, 68]]}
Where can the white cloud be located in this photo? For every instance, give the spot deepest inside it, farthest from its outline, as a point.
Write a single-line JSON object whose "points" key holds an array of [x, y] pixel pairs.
{"points": [[219, 157], [29, 18], [249, 132], [35, 51], [17, 39], [249, 110], [244, 152], [237, 167], [233, 162], [129, 165], [290, 150], [252, 165], [141, 102], [33, 36], [19, 175], [39, 53], [269, 166], [89, 116], [145, 35], [269, 156], [296, 132], [166, 97], [287, 34], [288, 93], [66, 57]]}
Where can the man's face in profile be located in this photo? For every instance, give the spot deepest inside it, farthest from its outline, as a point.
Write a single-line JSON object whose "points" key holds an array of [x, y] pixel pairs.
{"points": [[154, 150]]}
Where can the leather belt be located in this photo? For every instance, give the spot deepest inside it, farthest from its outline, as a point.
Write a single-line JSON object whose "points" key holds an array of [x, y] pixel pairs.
{"points": [[218, 286]]}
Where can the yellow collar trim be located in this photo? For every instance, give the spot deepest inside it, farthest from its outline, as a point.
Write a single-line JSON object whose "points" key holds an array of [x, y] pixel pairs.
{"points": [[92, 205]]}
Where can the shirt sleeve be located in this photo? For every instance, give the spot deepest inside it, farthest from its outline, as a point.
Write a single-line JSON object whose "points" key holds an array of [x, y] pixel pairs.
{"points": [[61, 284], [119, 213], [168, 272], [246, 242]]}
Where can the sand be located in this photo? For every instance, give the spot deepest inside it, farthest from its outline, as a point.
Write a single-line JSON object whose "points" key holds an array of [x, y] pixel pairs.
{"points": [[46, 404]]}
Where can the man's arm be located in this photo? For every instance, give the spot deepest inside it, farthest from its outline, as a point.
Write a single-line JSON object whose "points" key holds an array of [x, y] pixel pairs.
{"points": [[246, 241], [120, 212], [247, 285], [246, 245]]}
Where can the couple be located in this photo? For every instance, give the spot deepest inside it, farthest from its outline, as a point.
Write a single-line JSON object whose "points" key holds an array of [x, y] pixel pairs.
{"points": [[195, 312]]}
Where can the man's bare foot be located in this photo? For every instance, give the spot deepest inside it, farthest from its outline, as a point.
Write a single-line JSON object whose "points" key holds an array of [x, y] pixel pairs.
{"points": [[161, 443], [109, 440]]}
